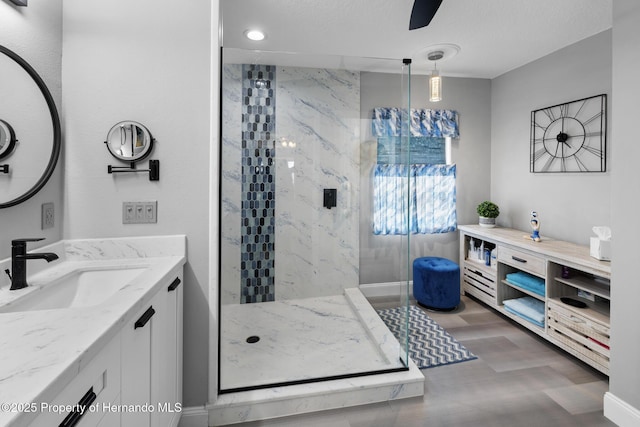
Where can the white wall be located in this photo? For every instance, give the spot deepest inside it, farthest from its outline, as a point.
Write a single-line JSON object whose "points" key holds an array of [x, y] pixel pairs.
{"points": [[568, 205], [149, 62], [625, 292], [382, 257], [35, 34]]}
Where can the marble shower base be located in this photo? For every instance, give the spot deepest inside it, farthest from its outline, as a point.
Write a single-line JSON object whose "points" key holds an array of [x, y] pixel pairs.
{"points": [[303, 339]]}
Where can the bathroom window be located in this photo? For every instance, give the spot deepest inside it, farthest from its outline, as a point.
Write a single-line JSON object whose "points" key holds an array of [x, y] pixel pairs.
{"points": [[414, 182], [421, 149], [416, 198]]}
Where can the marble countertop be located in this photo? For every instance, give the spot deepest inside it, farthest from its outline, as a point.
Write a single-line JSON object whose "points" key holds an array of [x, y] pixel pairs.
{"points": [[42, 351]]}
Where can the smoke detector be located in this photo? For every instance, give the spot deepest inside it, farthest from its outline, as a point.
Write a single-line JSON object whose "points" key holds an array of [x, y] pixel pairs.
{"points": [[436, 55], [441, 52]]}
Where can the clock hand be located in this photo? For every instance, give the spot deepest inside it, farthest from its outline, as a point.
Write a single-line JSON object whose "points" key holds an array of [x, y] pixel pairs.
{"points": [[556, 139]]}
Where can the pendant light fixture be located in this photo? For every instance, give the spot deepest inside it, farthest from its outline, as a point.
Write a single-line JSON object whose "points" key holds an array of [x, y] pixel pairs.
{"points": [[435, 81]]}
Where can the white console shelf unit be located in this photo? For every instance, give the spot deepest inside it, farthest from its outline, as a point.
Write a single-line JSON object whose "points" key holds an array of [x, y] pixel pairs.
{"points": [[566, 269]]}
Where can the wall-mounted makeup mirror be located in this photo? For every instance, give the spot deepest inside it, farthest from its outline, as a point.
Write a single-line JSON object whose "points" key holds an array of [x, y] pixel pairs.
{"points": [[131, 142], [7, 139], [28, 110], [7, 143]]}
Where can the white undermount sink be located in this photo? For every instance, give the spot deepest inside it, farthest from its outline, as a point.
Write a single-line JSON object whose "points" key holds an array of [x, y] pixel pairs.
{"points": [[82, 288]]}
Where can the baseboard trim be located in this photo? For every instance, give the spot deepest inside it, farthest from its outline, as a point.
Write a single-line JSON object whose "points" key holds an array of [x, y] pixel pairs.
{"points": [[194, 416], [620, 412], [387, 289]]}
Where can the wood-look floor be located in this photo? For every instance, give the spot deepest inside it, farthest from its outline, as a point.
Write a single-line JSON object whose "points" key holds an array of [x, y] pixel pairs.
{"points": [[518, 380]]}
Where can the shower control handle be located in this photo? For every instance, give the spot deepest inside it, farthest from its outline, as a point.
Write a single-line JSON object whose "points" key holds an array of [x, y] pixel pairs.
{"points": [[330, 198]]}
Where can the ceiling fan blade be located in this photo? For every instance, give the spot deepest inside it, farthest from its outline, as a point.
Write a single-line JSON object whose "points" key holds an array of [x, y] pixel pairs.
{"points": [[423, 12]]}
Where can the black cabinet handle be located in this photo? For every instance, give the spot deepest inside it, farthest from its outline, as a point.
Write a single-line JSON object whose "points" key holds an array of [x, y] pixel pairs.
{"points": [[73, 417], [174, 284], [144, 318], [515, 258]]}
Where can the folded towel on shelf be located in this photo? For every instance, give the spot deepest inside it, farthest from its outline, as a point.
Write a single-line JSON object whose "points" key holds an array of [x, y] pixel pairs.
{"points": [[528, 308], [528, 319], [527, 281]]}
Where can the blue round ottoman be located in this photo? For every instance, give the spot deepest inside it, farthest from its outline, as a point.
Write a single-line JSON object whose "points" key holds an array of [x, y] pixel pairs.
{"points": [[436, 283]]}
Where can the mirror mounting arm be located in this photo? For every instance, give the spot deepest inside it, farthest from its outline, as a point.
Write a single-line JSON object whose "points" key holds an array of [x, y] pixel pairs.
{"points": [[4, 168], [154, 169], [130, 168]]}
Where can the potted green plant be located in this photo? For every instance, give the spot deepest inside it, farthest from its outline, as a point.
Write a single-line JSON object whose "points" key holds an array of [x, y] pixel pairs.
{"points": [[488, 212]]}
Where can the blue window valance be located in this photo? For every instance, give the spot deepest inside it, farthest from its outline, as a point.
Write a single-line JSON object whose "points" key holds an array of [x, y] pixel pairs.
{"points": [[387, 121]]}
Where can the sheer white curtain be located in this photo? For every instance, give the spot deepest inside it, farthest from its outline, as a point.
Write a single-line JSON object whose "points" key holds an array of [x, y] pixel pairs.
{"points": [[419, 198]]}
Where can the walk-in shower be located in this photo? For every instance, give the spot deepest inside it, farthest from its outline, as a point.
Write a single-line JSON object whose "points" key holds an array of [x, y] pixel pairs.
{"points": [[297, 156]]}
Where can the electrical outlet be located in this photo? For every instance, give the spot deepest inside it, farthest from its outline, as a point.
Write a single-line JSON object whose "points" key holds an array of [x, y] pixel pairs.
{"points": [[48, 217], [139, 212]]}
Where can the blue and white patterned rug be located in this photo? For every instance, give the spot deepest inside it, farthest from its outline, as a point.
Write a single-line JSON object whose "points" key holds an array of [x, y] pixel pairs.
{"points": [[429, 344]]}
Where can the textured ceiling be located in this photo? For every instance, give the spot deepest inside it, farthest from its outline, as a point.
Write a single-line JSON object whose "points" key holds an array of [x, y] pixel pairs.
{"points": [[494, 36]]}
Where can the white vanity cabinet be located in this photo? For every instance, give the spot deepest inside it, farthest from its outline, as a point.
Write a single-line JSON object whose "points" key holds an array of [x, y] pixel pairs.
{"points": [[119, 354], [151, 361], [567, 271], [136, 379], [166, 358], [96, 385], [136, 366]]}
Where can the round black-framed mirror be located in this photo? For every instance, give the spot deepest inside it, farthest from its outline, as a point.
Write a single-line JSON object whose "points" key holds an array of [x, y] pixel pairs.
{"points": [[7, 139], [129, 141], [55, 121]]}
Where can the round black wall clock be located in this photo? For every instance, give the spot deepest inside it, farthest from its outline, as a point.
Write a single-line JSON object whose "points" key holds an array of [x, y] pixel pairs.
{"points": [[570, 137]]}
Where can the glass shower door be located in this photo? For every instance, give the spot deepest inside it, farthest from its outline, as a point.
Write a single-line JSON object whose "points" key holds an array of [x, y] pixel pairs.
{"points": [[406, 266], [295, 171]]}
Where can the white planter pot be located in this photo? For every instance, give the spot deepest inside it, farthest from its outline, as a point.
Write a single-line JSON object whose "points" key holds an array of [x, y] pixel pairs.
{"points": [[487, 222]]}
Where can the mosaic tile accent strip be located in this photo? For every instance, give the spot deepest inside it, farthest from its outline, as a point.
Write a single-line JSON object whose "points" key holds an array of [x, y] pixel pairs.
{"points": [[258, 184]]}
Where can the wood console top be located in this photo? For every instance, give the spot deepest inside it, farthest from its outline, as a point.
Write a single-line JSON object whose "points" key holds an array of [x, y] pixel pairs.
{"points": [[566, 253]]}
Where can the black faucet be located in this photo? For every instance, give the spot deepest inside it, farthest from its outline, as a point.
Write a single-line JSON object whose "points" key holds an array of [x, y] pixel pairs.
{"points": [[19, 257]]}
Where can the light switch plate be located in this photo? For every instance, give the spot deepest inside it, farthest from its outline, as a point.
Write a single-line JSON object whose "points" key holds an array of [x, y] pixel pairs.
{"points": [[140, 212], [150, 212]]}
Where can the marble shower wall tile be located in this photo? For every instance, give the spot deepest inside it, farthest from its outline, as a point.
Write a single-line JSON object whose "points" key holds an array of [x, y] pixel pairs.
{"points": [[317, 146], [317, 143], [231, 182]]}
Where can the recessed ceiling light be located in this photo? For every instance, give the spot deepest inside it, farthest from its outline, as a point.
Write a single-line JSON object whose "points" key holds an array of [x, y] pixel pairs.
{"points": [[255, 35]]}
